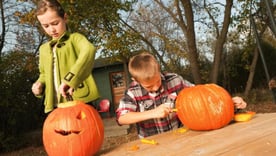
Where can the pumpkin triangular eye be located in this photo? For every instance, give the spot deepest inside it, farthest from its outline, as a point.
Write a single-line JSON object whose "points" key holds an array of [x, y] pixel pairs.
{"points": [[81, 115]]}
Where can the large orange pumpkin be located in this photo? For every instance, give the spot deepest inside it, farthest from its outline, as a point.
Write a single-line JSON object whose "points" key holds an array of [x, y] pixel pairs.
{"points": [[205, 107], [73, 129]]}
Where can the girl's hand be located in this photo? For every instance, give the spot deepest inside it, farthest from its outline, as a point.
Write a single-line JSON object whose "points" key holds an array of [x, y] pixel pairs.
{"points": [[37, 88], [239, 103], [65, 89]]}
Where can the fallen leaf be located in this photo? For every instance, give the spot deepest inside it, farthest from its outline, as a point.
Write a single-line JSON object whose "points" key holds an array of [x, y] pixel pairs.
{"points": [[148, 141], [133, 148]]}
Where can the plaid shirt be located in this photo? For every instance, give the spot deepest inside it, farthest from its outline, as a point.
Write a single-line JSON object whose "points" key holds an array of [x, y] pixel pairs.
{"points": [[137, 99]]}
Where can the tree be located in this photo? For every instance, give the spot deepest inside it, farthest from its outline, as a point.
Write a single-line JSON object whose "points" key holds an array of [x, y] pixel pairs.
{"points": [[255, 11], [181, 34], [7, 24], [158, 35], [100, 23], [220, 36], [182, 15], [20, 111], [186, 24]]}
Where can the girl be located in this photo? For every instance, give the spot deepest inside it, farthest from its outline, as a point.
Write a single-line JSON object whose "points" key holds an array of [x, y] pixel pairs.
{"points": [[65, 62]]}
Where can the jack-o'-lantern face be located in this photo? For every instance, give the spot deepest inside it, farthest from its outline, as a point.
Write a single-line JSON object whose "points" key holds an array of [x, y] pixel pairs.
{"points": [[71, 126], [74, 128]]}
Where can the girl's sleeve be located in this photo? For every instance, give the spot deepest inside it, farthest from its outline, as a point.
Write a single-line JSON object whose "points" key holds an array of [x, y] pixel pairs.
{"points": [[85, 60]]}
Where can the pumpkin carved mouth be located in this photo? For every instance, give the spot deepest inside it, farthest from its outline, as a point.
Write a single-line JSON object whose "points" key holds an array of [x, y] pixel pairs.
{"points": [[65, 133]]}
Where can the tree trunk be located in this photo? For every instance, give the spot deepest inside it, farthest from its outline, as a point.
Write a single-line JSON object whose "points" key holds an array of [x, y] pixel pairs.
{"points": [[251, 72], [187, 27], [191, 41], [220, 42], [3, 28]]}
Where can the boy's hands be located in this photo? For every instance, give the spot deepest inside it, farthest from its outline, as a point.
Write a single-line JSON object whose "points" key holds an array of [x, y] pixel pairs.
{"points": [[239, 103], [161, 111]]}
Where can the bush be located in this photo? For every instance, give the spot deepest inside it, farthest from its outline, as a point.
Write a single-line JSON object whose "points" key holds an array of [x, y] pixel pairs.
{"points": [[20, 111], [256, 96]]}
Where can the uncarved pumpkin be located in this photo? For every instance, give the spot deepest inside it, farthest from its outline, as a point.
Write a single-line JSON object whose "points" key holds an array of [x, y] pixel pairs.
{"points": [[73, 129], [205, 107]]}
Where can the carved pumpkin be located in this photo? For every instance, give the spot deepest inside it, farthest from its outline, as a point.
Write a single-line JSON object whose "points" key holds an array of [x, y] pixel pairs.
{"points": [[205, 107], [73, 129]]}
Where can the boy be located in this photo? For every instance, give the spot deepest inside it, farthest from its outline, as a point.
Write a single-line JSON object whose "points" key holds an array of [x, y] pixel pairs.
{"points": [[149, 100]]}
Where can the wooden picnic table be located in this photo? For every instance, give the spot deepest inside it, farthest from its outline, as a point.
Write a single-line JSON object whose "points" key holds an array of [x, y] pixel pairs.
{"points": [[256, 137]]}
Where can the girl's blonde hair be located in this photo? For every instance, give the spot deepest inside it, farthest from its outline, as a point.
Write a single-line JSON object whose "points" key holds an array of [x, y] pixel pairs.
{"points": [[143, 67], [44, 5]]}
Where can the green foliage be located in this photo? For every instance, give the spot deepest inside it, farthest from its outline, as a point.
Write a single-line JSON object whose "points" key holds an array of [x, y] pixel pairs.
{"points": [[236, 68], [20, 111], [238, 62], [257, 96], [269, 53], [100, 21]]}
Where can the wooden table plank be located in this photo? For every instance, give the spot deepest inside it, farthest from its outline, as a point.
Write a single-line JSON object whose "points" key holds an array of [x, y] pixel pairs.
{"points": [[261, 146], [255, 137]]}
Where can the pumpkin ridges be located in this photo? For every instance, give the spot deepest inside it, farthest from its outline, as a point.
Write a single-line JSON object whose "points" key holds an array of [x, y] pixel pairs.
{"points": [[208, 114], [201, 107], [218, 100], [98, 132], [96, 135], [229, 105], [84, 131]]}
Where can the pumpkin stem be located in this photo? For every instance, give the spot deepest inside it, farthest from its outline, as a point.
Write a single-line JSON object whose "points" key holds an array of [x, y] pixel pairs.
{"points": [[67, 104]]}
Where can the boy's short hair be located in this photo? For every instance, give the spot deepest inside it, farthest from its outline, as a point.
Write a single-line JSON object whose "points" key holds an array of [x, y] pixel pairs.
{"points": [[143, 67]]}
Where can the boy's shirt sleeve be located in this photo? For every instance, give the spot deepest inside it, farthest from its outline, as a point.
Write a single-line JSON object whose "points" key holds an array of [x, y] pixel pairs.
{"points": [[126, 104]]}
